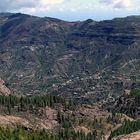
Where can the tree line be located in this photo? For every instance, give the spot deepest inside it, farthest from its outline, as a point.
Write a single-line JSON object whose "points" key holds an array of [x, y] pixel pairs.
{"points": [[24, 103], [20, 133], [127, 128]]}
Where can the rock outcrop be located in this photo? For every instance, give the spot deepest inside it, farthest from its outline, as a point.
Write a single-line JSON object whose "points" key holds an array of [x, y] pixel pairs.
{"points": [[132, 136], [3, 89]]}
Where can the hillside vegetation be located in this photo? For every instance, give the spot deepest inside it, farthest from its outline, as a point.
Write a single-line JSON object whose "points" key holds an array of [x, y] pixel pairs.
{"points": [[86, 60]]}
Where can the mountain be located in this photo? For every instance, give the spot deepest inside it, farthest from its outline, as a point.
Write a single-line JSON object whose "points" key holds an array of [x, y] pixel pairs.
{"points": [[88, 60]]}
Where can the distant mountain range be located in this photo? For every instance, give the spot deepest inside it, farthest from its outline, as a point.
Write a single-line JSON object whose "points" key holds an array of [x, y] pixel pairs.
{"points": [[87, 60]]}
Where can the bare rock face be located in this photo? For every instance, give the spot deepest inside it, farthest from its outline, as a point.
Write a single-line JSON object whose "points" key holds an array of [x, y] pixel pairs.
{"points": [[92, 112], [13, 121], [49, 119], [132, 136], [3, 89]]}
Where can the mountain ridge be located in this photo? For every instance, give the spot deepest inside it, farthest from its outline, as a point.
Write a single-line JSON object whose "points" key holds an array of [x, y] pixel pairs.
{"points": [[75, 59]]}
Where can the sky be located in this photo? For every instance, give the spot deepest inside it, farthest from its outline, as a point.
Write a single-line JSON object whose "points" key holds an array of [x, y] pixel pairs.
{"points": [[73, 10]]}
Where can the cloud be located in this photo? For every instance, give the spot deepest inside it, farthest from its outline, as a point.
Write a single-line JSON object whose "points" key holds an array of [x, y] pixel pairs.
{"points": [[11, 5], [119, 4], [51, 1], [123, 4]]}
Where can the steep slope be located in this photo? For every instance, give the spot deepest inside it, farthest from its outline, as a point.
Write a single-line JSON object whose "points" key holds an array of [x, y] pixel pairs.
{"points": [[62, 118], [80, 59]]}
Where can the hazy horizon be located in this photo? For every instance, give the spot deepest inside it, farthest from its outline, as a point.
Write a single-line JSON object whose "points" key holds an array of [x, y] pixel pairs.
{"points": [[70, 10], [69, 20]]}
